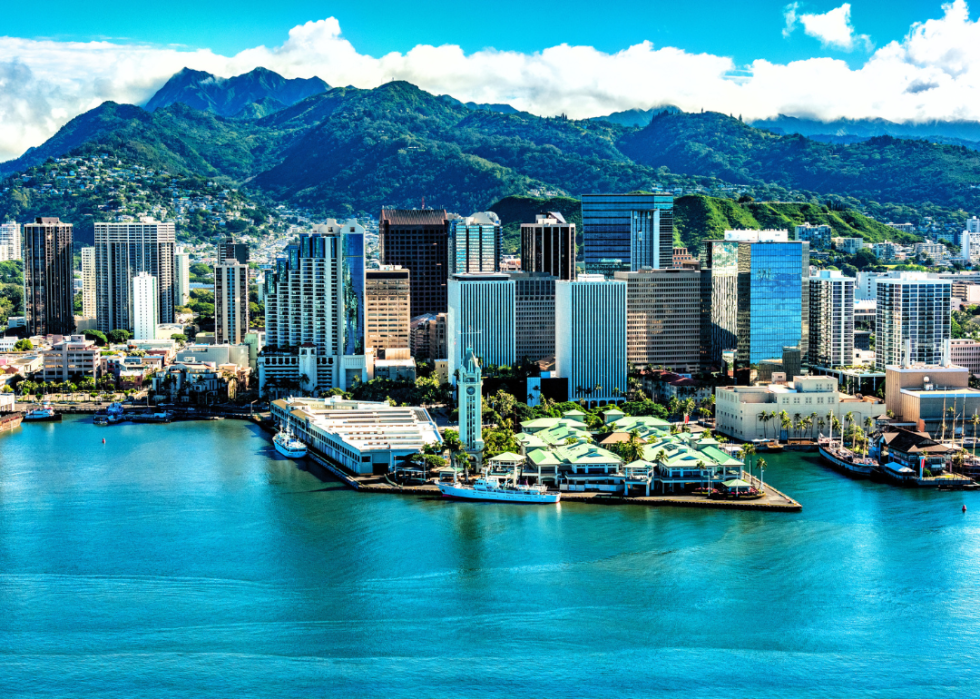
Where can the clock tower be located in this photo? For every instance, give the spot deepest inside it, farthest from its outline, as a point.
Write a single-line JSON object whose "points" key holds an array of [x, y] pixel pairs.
{"points": [[471, 404]]}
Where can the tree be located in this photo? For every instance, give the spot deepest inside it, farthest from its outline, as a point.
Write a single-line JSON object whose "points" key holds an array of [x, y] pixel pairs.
{"points": [[118, 336], [99, 337], [179, 337], [23, 345], [632, 449]]}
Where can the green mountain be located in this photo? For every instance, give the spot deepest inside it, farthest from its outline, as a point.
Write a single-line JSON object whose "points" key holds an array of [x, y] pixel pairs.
{"points": [[513, 211]]}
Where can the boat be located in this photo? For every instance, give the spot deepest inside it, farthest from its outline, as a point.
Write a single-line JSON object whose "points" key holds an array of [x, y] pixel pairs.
{"points": [[843, 459], [43, 414], [112, 415], [904, 475], [287, 445], [163, 416], [499, 489]]}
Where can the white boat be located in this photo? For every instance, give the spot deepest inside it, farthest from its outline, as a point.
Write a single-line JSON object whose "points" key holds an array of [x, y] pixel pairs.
{"points": [[499, 489], [287, 445], [43, 414]]}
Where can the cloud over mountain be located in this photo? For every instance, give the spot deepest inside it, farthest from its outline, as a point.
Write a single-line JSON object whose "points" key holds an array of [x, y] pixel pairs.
{"points": [[933, 73]]}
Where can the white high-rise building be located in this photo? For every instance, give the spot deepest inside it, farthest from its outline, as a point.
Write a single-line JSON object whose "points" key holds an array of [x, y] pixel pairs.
{"points": [[970, 241], [481, 316], [88, 282], [471, 403], [230, 303], [590, 340], [146, 306], [913, 309], [10, 241], [182, 277], [122, 251], [831, 319]]}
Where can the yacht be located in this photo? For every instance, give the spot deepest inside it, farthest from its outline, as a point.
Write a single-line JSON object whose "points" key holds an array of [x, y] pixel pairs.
{"points": [[499, 489], [43, 414], [112, 415], [287, 445]]}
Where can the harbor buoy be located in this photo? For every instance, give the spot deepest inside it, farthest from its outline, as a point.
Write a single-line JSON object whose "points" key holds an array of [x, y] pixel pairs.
{"points": [[103, 440], [964, 508]]}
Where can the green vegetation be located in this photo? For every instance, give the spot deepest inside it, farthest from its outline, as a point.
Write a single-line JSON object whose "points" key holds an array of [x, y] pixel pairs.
{"points": [[11, 290], [23, 345], [118, 336]]}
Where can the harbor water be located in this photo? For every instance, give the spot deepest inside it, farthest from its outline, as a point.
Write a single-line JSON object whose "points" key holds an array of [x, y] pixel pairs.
{"points": [[190, 560]]}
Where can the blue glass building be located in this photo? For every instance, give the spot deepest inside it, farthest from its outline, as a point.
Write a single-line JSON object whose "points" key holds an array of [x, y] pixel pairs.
{"points": [[614, 224]]}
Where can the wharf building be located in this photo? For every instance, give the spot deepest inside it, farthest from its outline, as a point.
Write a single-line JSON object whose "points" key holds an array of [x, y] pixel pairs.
{"points": [[548, 246], [926, 395], [913, 316], [182, 277], [759, 295], [664, 317], [89, 309], [231, 310], [474, 244], [418, 240], [831, 319], [481, 317], [427, 336], [590, 347], [623, 232], [314, 312], [534, 301], [388, 307], [49, 298], [122, 251], [10, 242], [146, 306], [230, 251]]}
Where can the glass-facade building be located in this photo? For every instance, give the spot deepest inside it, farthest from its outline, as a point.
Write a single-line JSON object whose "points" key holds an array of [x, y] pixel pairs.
{"points": [[474, 243], [613, 225]]}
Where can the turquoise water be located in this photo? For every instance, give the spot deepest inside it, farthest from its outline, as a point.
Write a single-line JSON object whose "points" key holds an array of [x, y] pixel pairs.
{"points": [[189, 560]]}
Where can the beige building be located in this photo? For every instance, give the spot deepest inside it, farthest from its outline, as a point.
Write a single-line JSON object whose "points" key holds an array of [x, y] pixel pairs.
{"points": [[388, 307], [74, 358], [966, 353], [920, 394], [740, 410], [427, 336], [231, 311]]}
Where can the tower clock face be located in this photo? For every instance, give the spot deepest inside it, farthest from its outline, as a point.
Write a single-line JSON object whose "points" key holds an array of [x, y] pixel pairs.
{"points": [[470, 391]]}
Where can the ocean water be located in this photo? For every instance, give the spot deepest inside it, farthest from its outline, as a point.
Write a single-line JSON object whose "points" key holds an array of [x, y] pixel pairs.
{"points": [[190, 560]]}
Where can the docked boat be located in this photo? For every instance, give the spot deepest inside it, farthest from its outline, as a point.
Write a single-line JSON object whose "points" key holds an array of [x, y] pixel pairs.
{"points": [[160, 416], [903, 475], [112, 415], [499, 489], [287, 445], [843, 459], [43, 414]]}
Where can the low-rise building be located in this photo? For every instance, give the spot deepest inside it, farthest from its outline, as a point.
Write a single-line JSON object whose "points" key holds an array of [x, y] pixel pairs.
{"points": [[215, 354], [194, 383], [397, 365], [72, 359], [925, 395]]}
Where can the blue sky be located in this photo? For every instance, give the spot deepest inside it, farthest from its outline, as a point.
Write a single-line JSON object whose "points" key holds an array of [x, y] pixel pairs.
{"points": [[743, 30]]}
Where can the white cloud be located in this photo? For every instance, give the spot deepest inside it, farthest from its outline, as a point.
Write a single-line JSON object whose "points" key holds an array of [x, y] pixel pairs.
{"points": [[832, 28], [933, 73]]}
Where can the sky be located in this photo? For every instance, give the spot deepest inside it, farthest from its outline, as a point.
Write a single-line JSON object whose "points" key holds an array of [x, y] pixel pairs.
{"points": [[900, 60]]}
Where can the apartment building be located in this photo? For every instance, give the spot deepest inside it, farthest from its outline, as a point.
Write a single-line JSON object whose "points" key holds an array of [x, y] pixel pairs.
{"points": [[49, 298], [913, 314], [88, 282], [388, 307], [73, 359], [145, 299], [831, 319], [231, 310]]}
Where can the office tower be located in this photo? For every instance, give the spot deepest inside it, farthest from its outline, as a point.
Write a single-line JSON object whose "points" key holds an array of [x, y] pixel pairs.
{"points": [[387, 307], [427, 336], [471, 403], [231, 314], [88, 282], [146, 306], [817, 236], [474, 243], [230, 251], [314, 311], [970, 241], [913, 314], [481, 316], [759, 295], [418, 240], [48, 277], [182, 277], [624, 232], [590, 345], [534, 310], [831, 319], [663, 318], [548, 246], [10, 248], [123, 250]]}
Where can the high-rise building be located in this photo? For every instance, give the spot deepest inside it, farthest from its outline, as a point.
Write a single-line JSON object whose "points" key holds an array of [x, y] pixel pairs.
{"points": [[88, 282], [913, 314], [970, 241], [471, 403], [759, 295], [182, 277], [474, 243], [231, 315], [831, 319], [123, 250], [314, 313], [534, 310], [387, 307], [548, 246], [590, 346], [481, 316], [10, 241], [634, 230], [418, 240], [230, 251], [146, 306], [49, 300], [427, 336], [817, 236], [663, 318]]}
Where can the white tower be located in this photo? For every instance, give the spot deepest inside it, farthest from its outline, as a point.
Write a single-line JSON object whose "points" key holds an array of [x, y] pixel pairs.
{"points": [[471, 404]]}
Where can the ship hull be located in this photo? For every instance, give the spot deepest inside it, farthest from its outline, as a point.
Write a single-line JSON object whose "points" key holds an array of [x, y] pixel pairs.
{"points": [[456, 492], [47, 418], [290, 453], [851, 469]]}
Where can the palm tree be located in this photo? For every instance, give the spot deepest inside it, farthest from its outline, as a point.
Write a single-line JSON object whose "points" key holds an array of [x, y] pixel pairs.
{"points": [[784, 421], [849, 421], [632, 449], [762, 473]]}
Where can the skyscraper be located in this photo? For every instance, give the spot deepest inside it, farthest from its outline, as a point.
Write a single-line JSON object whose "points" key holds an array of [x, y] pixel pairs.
{"points": [[230, 251], [418, 239], [123, 250], [831, 319], [635, 230], [48, 277], [146, 306], [388, 305], [231, 314], [88, 282], [10, 241], [590, 346], [548, 245], [912, 309], [481, 317], [474, 243], [182, 277], [534, 310], [970, 241]]}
